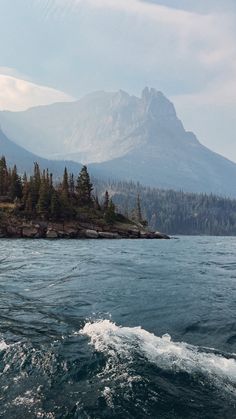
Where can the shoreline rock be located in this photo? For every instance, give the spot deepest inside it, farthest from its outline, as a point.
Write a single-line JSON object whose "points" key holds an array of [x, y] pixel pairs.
{"points": [[50, 230]]}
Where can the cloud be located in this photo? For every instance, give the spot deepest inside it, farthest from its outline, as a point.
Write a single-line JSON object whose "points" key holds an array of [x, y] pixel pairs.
{"points": [[218, 92], [78, 46], [17, 94], [8, 71], [210, 35], [186, 21], [178, 42]]}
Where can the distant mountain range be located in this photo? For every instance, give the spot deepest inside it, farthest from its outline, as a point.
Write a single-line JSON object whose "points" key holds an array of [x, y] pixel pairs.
{"points": [[123, 137]]}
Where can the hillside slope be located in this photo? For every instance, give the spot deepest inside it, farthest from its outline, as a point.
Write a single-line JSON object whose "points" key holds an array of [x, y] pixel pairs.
{"points": [[24, 160]]}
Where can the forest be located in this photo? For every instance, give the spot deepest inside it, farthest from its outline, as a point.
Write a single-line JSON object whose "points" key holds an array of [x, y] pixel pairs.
{"points": [[174, 212]]}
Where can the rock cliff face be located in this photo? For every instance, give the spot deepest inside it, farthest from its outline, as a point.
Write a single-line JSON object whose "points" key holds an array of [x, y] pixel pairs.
{"points": [[125, 137]]}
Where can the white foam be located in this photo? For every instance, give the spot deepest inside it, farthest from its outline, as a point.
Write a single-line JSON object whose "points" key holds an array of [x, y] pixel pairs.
{"points": [[113, 340], [28, 399], [108, 395], [3, 345]]}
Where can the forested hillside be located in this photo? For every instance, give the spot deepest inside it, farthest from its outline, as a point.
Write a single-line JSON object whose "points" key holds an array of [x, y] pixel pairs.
{"points": [[175, 212]]}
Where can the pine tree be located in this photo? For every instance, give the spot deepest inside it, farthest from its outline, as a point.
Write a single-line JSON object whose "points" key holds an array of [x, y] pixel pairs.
{"points": [[71, 184], [106, 201], [3, 176], [34, 186], [110, 214], [65, 203], [55, 208], [15, 185], [138, 210], [65, 183], [51, 181], [37, 178], [44, 195], [25, 189], [84, 188]]}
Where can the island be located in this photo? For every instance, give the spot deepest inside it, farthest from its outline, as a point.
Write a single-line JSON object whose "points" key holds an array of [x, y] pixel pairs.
{"points": [[34, 206]]}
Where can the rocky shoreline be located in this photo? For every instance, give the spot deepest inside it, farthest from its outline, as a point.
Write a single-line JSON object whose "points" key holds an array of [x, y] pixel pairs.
{"points": [[50, 230]]}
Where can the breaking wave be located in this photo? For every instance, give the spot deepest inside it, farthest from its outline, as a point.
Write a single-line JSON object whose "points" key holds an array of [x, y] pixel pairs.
{"points": [[124, 344]]}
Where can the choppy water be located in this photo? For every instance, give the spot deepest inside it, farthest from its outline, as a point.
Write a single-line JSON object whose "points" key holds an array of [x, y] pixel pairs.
{"points": [[118, 329]]}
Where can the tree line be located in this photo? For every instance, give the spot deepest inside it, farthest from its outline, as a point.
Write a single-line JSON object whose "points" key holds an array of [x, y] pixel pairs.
{"points": [[38, 195], [175, 212]]}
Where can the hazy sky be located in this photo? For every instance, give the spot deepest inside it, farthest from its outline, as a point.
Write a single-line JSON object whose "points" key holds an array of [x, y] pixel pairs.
{"points": [[66, 48]]}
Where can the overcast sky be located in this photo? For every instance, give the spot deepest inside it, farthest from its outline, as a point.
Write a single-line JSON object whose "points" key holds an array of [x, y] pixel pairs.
{"points": [[53, 50]]}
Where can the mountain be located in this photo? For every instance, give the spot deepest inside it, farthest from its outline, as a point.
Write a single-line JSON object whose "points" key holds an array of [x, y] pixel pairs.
{"points": [[24, 159], [97, 128], [126, 137]]}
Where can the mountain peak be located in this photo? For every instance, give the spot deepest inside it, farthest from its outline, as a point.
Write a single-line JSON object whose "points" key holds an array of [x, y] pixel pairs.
{"points": [[121, 98], [157, 104], [150, 92]]}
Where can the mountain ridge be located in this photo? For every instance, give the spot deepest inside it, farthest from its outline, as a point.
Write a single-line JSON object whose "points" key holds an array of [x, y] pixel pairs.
{"points": [[125, 137], [117, 118]]}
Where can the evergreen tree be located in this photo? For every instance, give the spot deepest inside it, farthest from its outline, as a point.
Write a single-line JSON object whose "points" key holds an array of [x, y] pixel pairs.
{"points": [[65, 183], [55, 207], [36, 178], [65, 203], [34, 194], [3, 176], [110, 214], [15, 190], [51, 182], [84, 188], [48, 179], [71, 184], [138, 210], [137, 213], [106, 201], [34, 186], [25, 189], [44, 195]]}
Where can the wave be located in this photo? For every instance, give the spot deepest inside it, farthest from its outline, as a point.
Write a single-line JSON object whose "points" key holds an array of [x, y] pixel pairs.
{"points": [[133, 374], [124, 343]]}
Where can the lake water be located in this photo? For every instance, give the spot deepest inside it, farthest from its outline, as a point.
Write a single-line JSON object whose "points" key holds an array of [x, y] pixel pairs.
{"points": [[118, 329]]}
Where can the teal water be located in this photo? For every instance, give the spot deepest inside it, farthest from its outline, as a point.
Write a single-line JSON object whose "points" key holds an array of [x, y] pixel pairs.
{"points": [[118, 329]]}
